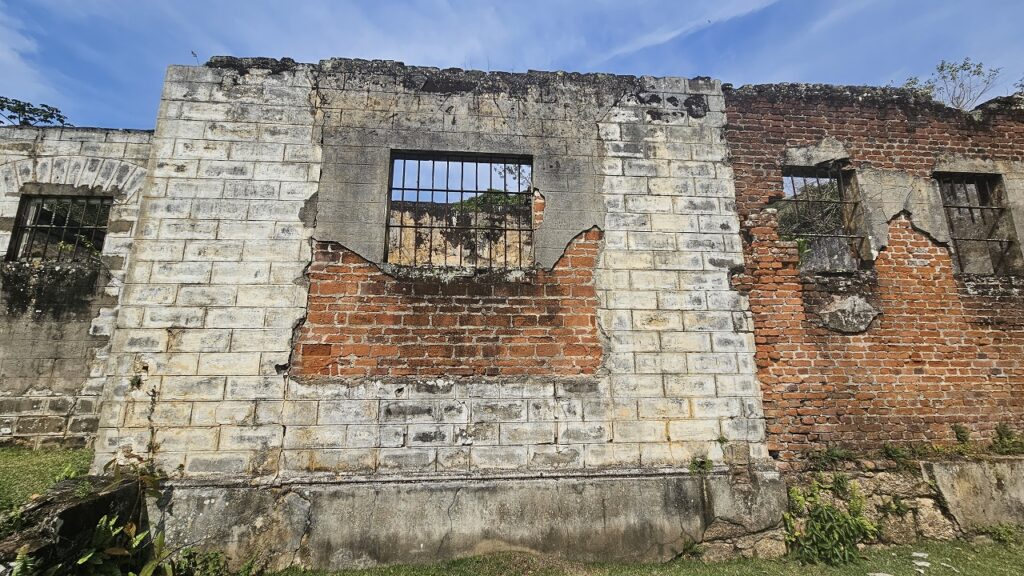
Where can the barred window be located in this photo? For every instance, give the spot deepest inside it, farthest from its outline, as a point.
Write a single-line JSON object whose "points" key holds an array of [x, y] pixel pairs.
{"points": [[980, 224], [821, 212], [59, 228], [460, 210]]}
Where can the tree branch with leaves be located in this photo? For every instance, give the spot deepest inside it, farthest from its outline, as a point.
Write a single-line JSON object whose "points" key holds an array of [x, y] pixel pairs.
{"points": [[20, 113], [958, 84]]}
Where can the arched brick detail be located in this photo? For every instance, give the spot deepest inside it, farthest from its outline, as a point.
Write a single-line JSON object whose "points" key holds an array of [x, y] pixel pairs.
{"points": [[104, 173]]}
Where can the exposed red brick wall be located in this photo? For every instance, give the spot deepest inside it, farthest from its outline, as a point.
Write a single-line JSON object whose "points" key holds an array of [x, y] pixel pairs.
{"points": [[362, 322], [946, 349]]}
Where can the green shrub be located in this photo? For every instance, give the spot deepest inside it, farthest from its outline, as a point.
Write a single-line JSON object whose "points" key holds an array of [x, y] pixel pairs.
{"points": [[830, 458], [1006, 441], [841, 485], [49, 287], [192, 562], [1003, 533], [701, 465], [820, 532], [901, 456], [894, 507], [11, 522], [962, 434]]}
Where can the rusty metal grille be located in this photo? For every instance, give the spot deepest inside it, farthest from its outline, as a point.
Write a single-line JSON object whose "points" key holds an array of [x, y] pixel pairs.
{"points": [[460, 210], [60, 228], [819, 206], [980, 225]]}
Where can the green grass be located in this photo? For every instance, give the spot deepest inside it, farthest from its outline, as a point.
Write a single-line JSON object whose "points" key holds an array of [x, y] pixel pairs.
{"points": [[946, 559], [26, 472]]}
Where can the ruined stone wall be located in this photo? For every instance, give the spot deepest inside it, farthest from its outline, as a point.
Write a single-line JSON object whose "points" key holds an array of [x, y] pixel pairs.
{"points": [[635, 157], [945, 347], [624, 347], [51, 365], [215, 283]]}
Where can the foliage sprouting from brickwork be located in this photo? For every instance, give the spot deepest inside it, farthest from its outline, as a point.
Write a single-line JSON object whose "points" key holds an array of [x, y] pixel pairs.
{"points": [[1007, 442], [54, 288]]}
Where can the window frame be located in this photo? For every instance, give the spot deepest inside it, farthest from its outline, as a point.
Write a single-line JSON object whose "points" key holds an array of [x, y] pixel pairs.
{"points": [[525, 231], [23, 230], [849, 202], [995, 190]]}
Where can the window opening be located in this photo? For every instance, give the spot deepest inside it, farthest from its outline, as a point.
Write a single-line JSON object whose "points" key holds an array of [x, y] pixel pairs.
{"points": [[59, 228], [980, 224], [820, 209], [460, 210]]}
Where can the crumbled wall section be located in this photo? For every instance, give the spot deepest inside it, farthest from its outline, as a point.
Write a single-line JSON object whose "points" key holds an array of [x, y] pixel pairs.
{"points": [[944, 347], [215, 285], [51, 370], [362, 322]]}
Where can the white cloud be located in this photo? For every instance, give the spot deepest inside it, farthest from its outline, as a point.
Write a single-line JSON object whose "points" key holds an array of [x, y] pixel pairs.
{"points": [[22, 78]]}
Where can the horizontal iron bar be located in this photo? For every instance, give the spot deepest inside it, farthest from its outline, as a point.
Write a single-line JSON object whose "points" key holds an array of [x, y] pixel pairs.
{"points": [[794, 200], [493, 229], [1000, 240], [801, 235], [971, 207]]}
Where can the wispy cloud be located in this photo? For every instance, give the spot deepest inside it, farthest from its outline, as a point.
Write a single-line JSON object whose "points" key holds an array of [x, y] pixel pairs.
{"points": [[703, 17], [837, 15], [103, 60]]}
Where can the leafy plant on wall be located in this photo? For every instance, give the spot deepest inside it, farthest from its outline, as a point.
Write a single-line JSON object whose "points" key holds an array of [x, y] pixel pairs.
{"points": [[49, 287]]}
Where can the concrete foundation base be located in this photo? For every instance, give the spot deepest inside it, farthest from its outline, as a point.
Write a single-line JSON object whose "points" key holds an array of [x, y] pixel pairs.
{"points": [[349, 524], [981, 494]]}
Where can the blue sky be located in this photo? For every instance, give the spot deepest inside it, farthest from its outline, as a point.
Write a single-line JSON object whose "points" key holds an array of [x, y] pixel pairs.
{"points": [[102, 61]]}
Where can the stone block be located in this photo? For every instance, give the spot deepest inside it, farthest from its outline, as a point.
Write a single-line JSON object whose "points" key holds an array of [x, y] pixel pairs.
{"points": [[611, 456], [527, 433], [251, 437], [229, 363], [347, 412], [694, 430], [639, 431], [498, 457]]}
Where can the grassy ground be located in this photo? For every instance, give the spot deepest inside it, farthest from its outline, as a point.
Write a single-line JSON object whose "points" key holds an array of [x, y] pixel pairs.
{"points": [[945, 559], [26, 472]]}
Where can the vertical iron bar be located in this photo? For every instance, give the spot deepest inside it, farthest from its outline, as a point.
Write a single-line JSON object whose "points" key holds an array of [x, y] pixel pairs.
{"points": [[415, 211], [79, 229], [462, 198], [31, 219], [501, 210], [401, 205], [947, 189], [49, 232], [796, 204], [430, 217]]}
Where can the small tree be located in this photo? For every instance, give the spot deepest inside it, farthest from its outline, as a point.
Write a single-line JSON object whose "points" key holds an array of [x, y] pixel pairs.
{"points": [[958, 84], [21, 113]]}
